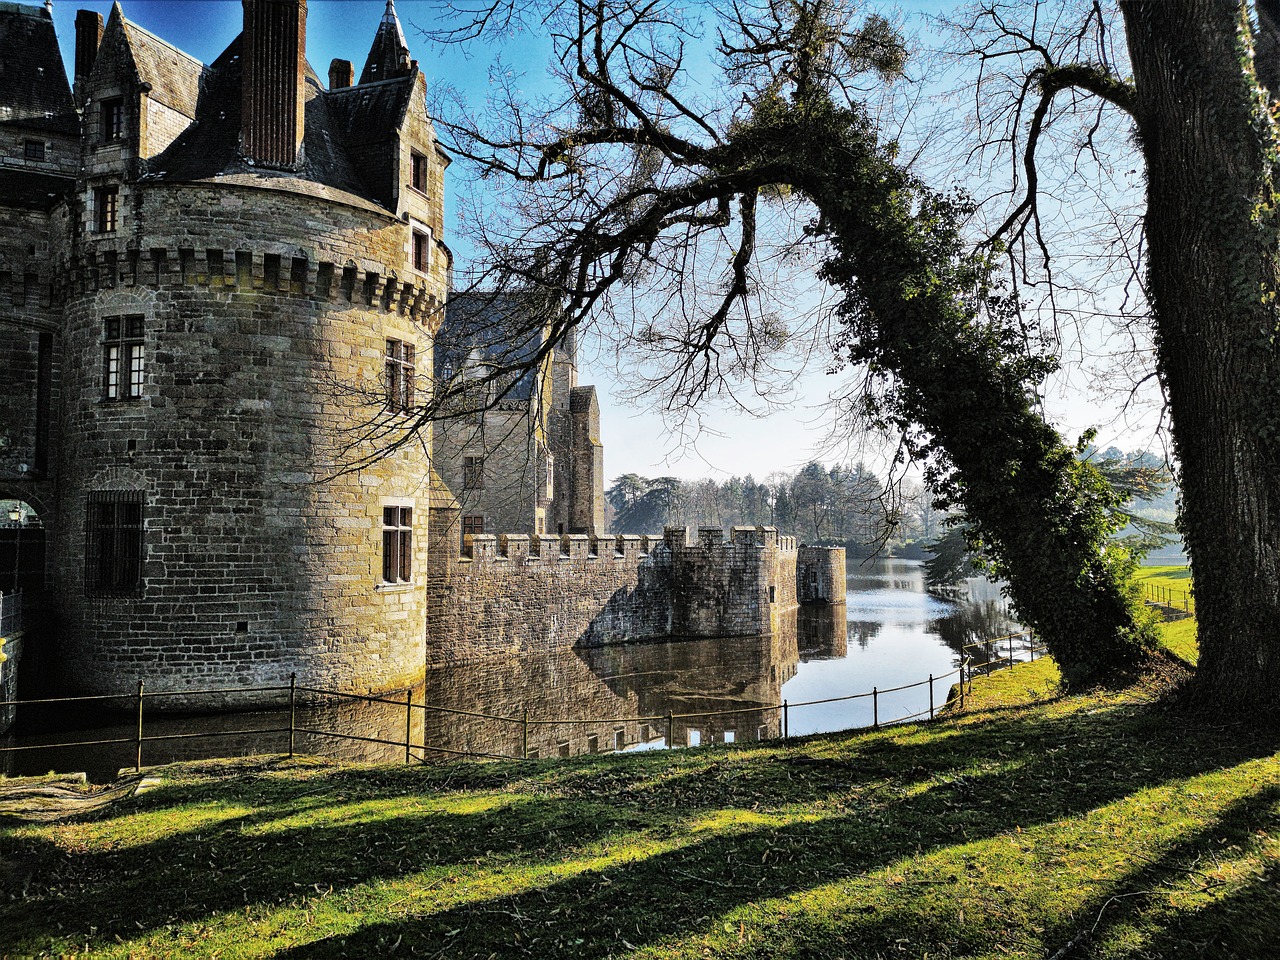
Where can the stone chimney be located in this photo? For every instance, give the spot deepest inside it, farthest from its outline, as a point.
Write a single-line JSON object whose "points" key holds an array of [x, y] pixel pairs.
{"points": [[273, 52], [341, 73], [88, 39]]}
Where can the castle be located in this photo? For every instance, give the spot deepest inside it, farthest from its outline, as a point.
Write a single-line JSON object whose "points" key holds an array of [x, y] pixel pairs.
{"points": [[221, 283]]}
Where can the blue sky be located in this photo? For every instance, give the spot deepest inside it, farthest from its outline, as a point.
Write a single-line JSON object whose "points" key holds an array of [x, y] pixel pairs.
{"points": [[635, 439]]}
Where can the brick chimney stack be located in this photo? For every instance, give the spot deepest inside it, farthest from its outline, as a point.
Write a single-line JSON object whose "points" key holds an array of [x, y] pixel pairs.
{"points": [[341, 73], [88, 39], [273, 53]]}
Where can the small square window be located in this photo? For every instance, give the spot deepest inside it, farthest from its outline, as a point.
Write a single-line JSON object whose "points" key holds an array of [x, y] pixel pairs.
{"points": [[33, 149], [471, 525], [106, 209], [113, 120]]}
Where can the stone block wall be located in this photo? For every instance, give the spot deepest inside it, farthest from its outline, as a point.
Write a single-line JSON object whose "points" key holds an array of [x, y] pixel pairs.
{"points": [[821, 574], [266, 315], [520, 594]]}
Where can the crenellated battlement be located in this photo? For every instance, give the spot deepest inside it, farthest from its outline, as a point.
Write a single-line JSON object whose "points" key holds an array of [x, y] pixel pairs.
{"points": [[514, 548], [279, 272]]}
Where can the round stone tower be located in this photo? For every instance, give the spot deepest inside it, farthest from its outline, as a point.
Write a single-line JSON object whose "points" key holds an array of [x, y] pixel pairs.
{"points": [[253, 277]]}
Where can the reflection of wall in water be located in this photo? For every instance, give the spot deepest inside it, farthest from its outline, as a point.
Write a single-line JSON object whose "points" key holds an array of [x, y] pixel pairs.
{"points": [[823, 633], [614, 686], [864, 631]]}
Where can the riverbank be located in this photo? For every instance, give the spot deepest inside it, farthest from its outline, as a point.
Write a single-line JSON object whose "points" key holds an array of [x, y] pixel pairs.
{"points": [[1030, 825]]}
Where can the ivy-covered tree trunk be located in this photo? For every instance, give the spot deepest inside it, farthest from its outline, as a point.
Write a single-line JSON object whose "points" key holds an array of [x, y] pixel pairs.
{"points": [[1212, 228], [1042, 515]]}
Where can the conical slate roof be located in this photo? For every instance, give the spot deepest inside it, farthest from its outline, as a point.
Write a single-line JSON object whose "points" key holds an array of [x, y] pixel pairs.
{"points": [[389, 55]]}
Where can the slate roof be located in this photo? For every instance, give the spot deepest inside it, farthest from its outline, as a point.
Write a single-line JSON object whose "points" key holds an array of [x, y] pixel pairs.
{"points": [[26, 190], [211, 146], [491, 328], [370, 112], [174, 76], [389, 55], [33, 80]]}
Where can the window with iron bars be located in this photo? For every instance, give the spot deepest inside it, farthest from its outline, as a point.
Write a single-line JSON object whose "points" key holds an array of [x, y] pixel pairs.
{"points": [[113, 558], [397, 544], [400, 373], [122, 353]]}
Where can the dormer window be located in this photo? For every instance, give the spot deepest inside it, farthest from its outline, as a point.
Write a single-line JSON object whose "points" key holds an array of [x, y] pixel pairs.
{"points": [[418, 172], [113, 120], [33, 150]]}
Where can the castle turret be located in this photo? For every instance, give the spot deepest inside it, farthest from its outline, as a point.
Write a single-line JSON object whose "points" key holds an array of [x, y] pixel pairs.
{"points": [[389, 55], [274, 51]]}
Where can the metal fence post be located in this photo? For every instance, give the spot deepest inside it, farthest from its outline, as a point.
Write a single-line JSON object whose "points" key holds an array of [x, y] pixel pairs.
{"points": [[524, 739], [931, 696], [671, 730], [293, 709], [786, 722], [1011, 649], [875, 708], [962, 663], [408, 723], [137, 757]]}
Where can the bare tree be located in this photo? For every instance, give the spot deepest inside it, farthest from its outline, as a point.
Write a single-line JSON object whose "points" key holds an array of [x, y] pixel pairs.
{"points": [[631, 198]]}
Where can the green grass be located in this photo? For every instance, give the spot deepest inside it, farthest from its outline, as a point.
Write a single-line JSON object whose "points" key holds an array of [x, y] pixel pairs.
{"points": [[1179, 636], [1028, 822]]}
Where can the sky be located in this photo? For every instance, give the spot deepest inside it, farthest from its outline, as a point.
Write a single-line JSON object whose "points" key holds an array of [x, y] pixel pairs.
{"points": [[636, 439]]}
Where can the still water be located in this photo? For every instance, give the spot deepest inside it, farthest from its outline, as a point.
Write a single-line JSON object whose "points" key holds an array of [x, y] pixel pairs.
{"points": [[891, 633]]}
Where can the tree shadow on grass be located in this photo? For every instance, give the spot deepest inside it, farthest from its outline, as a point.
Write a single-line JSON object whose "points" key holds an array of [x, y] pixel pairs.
{"points": [[881, 799], [683, 892]]}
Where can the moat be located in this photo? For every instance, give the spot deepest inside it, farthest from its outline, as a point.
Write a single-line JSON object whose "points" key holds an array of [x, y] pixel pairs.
{"points": [[891, 633]]}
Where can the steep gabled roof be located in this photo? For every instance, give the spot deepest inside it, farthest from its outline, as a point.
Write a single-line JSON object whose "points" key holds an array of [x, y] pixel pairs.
{"points": [[174, 76], [491, 330], [371, 112], [211, 146], [33, 80]]}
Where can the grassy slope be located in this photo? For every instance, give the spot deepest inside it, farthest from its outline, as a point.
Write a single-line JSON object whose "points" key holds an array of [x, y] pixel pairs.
{"points": [[1180, 636], [1024, 825]]}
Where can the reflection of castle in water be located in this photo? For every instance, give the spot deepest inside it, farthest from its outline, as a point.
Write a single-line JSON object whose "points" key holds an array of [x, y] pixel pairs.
{"points": [[577, 701], [618, 697]]}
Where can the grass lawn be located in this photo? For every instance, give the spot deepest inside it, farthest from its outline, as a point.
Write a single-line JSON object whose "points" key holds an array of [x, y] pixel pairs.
{"points": [[1179, 636], [1032, 825]]}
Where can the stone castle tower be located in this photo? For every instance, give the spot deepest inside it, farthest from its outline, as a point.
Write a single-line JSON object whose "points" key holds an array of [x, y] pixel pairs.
{"points": [[217, 283]]}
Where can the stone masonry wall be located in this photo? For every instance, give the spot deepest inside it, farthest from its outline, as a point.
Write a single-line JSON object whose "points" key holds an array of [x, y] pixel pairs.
{"points": [[820, 574], [266, 315], [518, 594]]}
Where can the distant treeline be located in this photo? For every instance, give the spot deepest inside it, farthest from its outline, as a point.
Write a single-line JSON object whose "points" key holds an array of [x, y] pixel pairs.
{"points": [[845, 504]]}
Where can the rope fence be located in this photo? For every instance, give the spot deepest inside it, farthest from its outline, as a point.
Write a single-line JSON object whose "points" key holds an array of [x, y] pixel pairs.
{"points": [[980, 658]]}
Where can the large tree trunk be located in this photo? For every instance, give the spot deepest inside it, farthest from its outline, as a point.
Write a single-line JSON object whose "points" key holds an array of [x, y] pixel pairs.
{"points": [[1212, 235]]}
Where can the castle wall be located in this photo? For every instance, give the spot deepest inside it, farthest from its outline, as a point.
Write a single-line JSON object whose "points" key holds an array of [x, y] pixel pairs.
{"points": [[266, 315], [517, 594]]}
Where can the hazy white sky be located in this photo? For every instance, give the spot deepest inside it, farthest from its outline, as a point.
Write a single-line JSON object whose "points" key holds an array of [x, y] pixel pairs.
{"points": [[635, 438]]}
